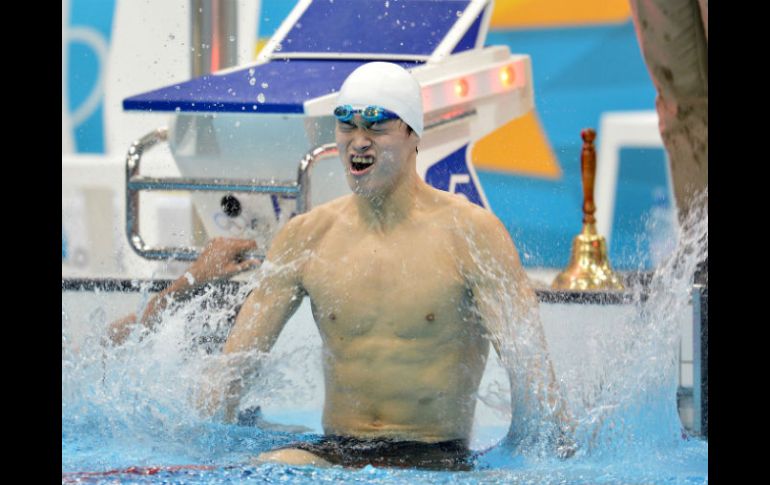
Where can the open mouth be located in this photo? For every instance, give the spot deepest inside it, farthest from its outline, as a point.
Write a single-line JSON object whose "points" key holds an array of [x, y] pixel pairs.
{"points": [[360, 164]]}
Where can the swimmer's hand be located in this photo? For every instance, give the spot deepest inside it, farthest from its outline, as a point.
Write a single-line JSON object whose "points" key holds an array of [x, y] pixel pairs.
{"points": [[119, 330], [212, 400], [565, 445], [223, 381], [220, 259]]}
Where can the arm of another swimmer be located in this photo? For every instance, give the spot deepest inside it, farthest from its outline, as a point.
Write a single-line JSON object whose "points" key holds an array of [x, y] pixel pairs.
{"points": [[220, 259], [509, 312], [263, 315]]}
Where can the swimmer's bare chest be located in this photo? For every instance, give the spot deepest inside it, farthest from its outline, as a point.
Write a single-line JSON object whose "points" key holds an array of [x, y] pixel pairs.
{"points": [[403, 352]]}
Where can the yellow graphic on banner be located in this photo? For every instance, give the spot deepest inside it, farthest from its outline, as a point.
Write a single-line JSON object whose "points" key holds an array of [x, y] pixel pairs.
{"points": [[519, 146], [260, 44], [509, 14]]}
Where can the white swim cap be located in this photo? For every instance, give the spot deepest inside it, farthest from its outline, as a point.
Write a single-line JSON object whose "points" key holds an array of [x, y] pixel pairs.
{"points": [[387, 85]]}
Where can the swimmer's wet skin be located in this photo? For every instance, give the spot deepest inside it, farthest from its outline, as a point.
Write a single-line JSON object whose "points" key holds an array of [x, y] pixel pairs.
{"points": [[404, 282]]}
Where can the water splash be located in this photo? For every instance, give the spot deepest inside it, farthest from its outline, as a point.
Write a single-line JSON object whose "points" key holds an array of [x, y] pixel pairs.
{"points": [[137, 400], [142, 397], [624, 399]]}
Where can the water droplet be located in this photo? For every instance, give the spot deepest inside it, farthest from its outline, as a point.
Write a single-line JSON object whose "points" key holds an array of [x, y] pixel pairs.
{"points": [[387, 4], [265, 85], [261, 97], [177, 109], [171, 37], [232, 38], [252, 81], [237, 124], [458, 13], [278, 47]]}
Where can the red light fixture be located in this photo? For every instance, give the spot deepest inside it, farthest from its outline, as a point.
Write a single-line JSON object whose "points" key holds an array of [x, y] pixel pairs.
{"points": [[461, 88], [507, 75]]}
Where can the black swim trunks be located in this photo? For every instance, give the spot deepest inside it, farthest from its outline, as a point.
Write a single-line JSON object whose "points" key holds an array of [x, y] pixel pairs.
{"points": [[357, 453]]}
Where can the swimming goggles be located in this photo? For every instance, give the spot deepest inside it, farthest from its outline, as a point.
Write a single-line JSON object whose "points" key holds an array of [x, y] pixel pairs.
{"points": [[370, 114]]}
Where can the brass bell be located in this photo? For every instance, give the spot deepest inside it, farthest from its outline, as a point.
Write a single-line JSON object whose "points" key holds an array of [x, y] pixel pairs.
{"points": [[589, 267]]}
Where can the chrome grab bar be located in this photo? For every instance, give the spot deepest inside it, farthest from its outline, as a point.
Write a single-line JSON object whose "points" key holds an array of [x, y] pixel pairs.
{"points": [[299, 188], [135, 183]]}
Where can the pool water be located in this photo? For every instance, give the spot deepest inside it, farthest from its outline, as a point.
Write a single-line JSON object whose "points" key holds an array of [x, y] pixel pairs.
{"points": [[128, 417], [221, 454]]}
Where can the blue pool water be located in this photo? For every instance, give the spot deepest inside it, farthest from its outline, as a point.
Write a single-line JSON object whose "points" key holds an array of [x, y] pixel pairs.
{"points": [[176, 457], [127, 418], [128, 414]]}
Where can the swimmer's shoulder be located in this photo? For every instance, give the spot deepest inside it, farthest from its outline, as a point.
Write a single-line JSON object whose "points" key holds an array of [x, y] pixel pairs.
{"points": [[310, 227], [322, 217], [469, 224], [464, 214]]}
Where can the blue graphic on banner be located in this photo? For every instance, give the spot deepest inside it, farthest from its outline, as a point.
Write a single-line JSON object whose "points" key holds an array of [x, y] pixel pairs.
{"points": [[452, 175], [86, 32], [403, 28], [63, 245]]}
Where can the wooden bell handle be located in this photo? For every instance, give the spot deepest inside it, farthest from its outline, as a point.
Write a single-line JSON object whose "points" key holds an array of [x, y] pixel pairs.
{"points": [[588, 171]]}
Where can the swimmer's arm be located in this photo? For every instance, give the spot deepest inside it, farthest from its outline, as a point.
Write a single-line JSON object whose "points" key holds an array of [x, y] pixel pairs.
{"points": [[220, 259], [260, 320], [498, 280]]}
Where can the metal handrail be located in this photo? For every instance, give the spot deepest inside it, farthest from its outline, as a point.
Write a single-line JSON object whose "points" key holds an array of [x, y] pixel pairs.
{"points": [[300, 188], [135, 183]]}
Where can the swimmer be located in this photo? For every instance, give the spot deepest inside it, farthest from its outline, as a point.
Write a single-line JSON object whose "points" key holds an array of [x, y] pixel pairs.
{"points": [[401, 278]]}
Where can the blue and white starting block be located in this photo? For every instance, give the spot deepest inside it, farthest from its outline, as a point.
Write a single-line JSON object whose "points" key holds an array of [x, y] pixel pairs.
{"points": [[244, 139]]}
